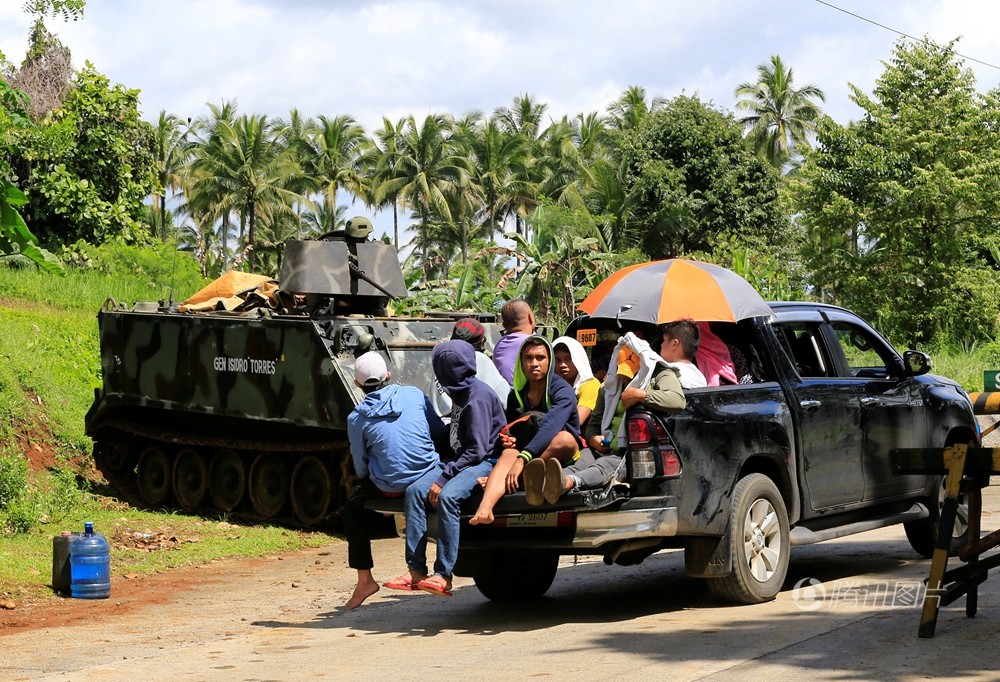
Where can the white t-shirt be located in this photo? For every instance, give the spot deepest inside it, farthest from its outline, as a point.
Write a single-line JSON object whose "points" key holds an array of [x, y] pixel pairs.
{"points": [[691, 376]]}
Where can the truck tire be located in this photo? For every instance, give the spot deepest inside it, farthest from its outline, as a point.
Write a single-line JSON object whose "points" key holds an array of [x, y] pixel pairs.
{"points": [[507, 576], [923, 534], [758, 542]]}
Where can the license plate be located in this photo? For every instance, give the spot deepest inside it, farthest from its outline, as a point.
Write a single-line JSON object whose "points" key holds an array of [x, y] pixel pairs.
{"points": [[539, 520]]}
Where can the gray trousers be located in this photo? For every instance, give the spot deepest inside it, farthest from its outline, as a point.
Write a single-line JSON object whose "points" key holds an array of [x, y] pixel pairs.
{"points": [[591, 472]]}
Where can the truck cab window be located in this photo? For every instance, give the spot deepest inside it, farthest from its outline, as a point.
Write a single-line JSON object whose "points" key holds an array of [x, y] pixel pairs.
{"points": [[804, 346], [862, 351]]}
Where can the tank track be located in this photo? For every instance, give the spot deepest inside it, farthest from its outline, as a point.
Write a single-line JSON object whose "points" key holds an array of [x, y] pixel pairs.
{"points": [[284, 481]]}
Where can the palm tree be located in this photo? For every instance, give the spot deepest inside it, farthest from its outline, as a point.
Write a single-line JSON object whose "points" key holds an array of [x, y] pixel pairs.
{"points": [[628, 111], [335, 147], [429, 170], [524, 120], [173, 151], [780, 117], [381, 163], [208, 200], [499, 171], [319, 219], [254, 173], [296, 132]]}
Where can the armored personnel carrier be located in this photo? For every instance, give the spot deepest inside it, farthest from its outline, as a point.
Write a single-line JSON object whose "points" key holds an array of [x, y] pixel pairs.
{"points": [[243, 409]]}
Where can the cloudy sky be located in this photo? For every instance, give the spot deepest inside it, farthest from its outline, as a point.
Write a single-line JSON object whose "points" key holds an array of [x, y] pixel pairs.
{"points": [[394, 58]]}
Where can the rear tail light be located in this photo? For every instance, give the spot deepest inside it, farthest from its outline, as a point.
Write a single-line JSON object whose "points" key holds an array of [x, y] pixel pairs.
{"points": [[639, 432], [671, 462], [649, 442], [643, 464]]}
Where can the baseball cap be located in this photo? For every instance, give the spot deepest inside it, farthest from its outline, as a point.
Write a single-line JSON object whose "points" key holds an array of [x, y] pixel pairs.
{"points": [[370, 370], [471, 330], [628, 362]]}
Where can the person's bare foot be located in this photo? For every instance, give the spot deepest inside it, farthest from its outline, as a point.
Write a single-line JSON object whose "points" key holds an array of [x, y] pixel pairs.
{"points": [[365, 588], [567, 484], [482, 481], [481, 518]]}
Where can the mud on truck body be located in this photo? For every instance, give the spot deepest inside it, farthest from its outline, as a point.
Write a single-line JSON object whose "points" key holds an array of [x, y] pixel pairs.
{"points": [[798, 455], [245, 412]]}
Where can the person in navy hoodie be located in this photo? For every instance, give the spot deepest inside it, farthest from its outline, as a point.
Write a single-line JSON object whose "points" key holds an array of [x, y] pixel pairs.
{"points": [[476, 419]]}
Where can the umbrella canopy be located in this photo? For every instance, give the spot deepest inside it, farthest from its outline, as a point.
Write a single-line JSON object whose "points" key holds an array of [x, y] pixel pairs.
{"points": [[675, 289]]}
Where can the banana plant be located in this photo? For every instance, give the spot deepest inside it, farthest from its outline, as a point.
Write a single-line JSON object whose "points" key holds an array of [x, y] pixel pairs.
{"points": [[15, 237]]}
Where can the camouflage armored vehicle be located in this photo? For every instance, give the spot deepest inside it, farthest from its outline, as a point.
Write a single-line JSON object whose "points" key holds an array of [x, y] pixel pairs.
{"points": [[244, 410]]}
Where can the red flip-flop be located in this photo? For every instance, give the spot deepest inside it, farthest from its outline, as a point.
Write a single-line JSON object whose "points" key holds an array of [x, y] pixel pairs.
{"points": [[401, 584], [433, 588]]}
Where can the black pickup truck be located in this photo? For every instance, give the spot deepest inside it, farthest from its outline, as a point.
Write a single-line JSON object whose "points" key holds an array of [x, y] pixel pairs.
{"points": [[798, 455]]}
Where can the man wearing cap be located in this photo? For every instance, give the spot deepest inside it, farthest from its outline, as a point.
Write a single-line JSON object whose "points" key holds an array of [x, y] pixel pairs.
{"points": [[518, 324], [390, 433], [471, 330]]}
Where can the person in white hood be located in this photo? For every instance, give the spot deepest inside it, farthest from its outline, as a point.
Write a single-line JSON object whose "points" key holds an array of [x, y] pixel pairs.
{"points": [[572, 364]]}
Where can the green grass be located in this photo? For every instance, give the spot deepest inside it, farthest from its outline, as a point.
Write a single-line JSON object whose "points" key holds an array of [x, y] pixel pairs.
{"points": [[26, 559], [81, 289], [49, 367]]}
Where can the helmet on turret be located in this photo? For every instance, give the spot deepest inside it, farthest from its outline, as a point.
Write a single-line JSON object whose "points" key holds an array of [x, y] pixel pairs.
{"points": [[358, 227]]}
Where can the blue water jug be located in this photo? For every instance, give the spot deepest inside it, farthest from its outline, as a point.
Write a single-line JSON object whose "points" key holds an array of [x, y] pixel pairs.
{"points": [[90, 565]]}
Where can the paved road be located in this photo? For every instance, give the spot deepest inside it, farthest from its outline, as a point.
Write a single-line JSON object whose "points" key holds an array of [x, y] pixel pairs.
{"points": [[282, 619]]}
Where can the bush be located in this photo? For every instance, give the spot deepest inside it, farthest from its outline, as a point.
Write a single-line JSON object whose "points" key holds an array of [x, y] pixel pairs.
{"points": [[161, 263], [13, 478], [23, 514]]}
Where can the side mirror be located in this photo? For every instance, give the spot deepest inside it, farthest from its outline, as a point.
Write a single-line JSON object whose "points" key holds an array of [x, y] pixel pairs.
{"points": [[916, 363]]}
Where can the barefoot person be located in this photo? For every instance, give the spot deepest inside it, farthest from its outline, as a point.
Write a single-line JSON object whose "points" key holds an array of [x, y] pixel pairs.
{"points": [[663, 393], [536, 389], [476, 419], [391, 444]]}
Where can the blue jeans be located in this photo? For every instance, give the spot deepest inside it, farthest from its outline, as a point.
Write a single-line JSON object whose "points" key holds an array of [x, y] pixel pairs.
{"points": [[449, 517]]}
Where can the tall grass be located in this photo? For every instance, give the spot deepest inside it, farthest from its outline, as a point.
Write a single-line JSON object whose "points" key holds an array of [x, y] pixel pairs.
{"points": [[82, 289]]}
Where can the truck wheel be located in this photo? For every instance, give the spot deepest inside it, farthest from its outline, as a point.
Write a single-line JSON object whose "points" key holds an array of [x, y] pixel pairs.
{"points": [[758, 541], [923, 534], [507, 576]]}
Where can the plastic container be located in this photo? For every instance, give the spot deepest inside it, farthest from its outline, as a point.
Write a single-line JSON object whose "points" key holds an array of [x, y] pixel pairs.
{"points": [[90, 565], [60, 561]]}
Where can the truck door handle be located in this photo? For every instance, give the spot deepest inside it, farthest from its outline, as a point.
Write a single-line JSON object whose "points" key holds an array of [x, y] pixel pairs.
{"points": [[810, 405], [868, 401]]}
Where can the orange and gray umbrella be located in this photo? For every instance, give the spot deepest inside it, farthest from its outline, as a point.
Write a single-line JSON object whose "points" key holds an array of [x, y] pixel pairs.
{"points": [[675, 289]]}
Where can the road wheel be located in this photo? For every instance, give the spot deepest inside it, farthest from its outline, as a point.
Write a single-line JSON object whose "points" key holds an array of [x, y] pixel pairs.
{"points": [[153, 476], [507, 576], [312, 490], [190, 479], [758, 537], [228, 480], [268, 485], [923, 534]]}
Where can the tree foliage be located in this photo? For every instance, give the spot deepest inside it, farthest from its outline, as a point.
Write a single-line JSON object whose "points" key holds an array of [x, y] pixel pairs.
{"points": [[693, 180], [779, 116], [898, 208], [92, 165]]}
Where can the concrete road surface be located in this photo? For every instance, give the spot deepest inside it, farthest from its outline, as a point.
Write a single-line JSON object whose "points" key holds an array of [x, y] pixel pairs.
{"points": [[283, 619]]}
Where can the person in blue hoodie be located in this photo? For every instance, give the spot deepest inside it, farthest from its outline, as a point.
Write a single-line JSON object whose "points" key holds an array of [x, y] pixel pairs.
{"points": [[477, 415], [390, 433], [536, 389]]}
